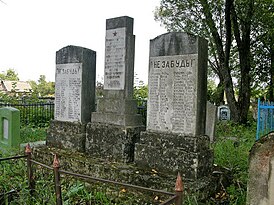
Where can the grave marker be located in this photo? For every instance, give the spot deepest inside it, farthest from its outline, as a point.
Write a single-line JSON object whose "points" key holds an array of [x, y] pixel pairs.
{"points": [[175, 137], [9, 126], [115, 126], [74, 97], [223, 113]]}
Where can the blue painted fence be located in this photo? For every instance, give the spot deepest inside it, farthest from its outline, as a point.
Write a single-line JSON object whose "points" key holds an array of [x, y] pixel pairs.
{"points": [[265, 118]]}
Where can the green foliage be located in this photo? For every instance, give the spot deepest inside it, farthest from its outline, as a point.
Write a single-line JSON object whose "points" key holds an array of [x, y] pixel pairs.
{"points": [[140, 93], [99, 89], [9, 74], [231, 150], [30, 134], [43, 88], [33, 110]]}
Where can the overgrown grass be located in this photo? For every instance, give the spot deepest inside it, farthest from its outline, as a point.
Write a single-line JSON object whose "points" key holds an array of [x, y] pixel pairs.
{"points": [[30, 134], [231, 151]]}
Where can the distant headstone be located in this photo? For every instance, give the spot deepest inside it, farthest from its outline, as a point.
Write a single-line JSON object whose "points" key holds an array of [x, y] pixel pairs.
{"points": [[115, 126], [260, 186], [74, 96], [223, 113], [211, 120], [9, 126], [176, 117]]}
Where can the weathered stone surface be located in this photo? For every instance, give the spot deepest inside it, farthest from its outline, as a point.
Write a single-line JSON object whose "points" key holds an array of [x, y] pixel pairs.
{"points": [[119, 57], [74, 97], [211, 120], [177, 84], [174, 153], [175, 138], [120, 172], [112, 142], [260, 187], [68, 135], [75, 84], [117, 106]]}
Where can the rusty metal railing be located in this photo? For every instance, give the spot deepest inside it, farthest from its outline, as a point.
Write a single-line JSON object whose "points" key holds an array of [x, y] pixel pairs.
{"points": [[174, 198]]}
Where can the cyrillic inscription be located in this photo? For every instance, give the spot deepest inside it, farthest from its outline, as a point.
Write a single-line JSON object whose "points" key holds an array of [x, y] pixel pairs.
{"points": [[172, 93], [68, 83], [114, 78]]}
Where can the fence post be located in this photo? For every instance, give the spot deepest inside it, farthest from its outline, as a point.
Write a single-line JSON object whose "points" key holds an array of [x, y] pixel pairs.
{"points": [[258, 120], [29, 170], [58, 193], [179, 189]]}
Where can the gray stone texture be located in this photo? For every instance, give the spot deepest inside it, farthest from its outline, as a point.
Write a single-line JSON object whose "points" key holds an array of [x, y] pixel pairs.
{"points": [[87, 57], [191, 93], [112, 142], [71, 134], [115, 127], [175, 138], [173, 153], [211, 120], [117, 106], [124, 22], [67, 135], [260, 187], [121, 172]]}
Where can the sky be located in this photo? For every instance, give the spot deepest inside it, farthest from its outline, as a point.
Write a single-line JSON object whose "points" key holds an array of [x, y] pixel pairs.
{"points": [[31, 31]]}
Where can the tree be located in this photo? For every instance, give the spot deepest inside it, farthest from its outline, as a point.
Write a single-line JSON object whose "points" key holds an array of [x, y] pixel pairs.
{"points": [[226, 24], [263, 47], [9, 74], [43, 88]]}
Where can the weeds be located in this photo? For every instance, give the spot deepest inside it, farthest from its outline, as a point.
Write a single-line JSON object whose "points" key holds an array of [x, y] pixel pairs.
{"points": [[231, 151]]}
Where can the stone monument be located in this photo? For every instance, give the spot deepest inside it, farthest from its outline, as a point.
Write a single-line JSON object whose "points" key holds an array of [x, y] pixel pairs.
{"points": [[223, 113], [115, 126], [260, 186], [175, 136], [74, 97]]}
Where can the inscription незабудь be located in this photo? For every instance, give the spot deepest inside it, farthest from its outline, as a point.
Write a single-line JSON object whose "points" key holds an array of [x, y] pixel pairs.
{"points": [[115, 59]]}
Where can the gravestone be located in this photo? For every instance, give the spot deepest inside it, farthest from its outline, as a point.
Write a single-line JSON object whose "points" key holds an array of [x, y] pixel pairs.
{"points": [[115, 126], [74, 97], [175, 137], [9, 127], [260, 186], [223, 113], [211, 120]]}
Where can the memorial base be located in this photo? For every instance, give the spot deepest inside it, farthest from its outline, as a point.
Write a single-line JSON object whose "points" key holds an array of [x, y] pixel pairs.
{"points": [[113, 142], [120, 172], [67, 135], [172, 153], [117, 111]]}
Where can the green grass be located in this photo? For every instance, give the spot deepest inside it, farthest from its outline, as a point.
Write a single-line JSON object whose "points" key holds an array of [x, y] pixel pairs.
{"points": [[231, 151], [30, 134]]}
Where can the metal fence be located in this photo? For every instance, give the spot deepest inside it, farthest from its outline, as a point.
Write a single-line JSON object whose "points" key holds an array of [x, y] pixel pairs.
{"points": [[56, 173], [265, 118], [34, 114], [39, 114]]}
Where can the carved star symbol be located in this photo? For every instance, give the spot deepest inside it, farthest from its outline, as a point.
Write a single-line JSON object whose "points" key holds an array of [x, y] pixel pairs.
{"points": [[115, 33]]}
